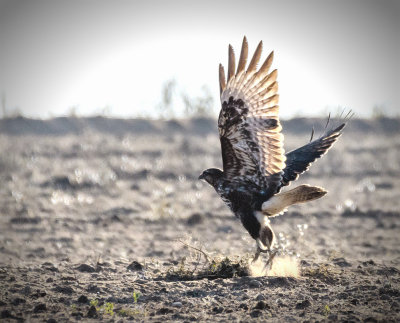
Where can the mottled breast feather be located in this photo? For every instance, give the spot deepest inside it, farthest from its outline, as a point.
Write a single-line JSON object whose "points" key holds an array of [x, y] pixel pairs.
{"points": [[248, 124]]}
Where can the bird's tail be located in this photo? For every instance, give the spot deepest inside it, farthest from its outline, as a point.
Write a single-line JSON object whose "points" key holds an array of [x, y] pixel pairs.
{"points": [[300, 194]]}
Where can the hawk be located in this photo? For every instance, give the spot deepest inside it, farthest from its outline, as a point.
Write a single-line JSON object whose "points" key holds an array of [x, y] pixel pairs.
{"points": [[255, 166]]}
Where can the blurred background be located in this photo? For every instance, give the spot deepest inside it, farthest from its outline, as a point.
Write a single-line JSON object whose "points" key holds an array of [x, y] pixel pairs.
{"points": [[160, 58]]}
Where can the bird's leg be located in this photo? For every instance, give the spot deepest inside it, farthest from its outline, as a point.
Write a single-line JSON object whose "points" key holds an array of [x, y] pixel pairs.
{"points": [[258, 251], [272, 255], [270, 260]]}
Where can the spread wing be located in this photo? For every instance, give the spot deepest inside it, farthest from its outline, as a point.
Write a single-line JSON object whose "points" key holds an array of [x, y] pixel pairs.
{"points": [[248, 124], [300, 159]]}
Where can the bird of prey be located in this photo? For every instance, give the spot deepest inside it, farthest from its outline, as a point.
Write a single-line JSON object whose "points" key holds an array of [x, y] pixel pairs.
{"points": [[255, 166]]}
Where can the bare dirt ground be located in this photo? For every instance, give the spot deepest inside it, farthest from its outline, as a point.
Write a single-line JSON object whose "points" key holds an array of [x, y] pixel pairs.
{"points": [[96, 216]]}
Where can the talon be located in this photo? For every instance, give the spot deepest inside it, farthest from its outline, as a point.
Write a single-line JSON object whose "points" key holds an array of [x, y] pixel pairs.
{"points": [[270, 261], [257, 255], [271, 258]]}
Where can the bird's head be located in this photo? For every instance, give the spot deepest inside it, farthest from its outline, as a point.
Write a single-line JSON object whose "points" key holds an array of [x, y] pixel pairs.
{"points": [[211, 175]]}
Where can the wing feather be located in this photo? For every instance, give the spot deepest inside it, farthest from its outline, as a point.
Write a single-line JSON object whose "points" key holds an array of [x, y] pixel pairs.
{"points": [[243, 56], [263, 71], [249, 126], [300, 159], [222, 81], [256, 58], [231, 63]]}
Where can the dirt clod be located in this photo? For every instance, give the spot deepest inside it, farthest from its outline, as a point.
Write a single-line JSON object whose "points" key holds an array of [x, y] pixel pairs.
{"points": [[92, 312], [256, 313], [64, 290], [194, 219], [302, 305], [135, 266], [83, 299], [40, 308], [261, 305], [6, 314], [84, 268]]}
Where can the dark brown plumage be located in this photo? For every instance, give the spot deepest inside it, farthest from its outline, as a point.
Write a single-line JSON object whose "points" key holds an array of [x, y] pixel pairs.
{"points": [[255, 167]]}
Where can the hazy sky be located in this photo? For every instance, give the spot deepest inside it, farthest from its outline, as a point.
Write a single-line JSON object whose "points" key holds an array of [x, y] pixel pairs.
{"points": [[92, 54]]}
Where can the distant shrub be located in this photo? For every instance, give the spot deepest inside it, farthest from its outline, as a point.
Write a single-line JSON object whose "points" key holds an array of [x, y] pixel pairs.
{"points": [[378, 112], [201, 106], [165, 107]]}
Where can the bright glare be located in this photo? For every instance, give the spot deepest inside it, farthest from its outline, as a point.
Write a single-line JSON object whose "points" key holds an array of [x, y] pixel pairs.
{"points": [[102, 57], [128, 81]]}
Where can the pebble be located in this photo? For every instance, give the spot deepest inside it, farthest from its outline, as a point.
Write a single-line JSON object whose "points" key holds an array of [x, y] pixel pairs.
{"points": [[256, 313], [83, 299], [260, 297], [261, 305], [303, 304], [49, 266], [64, 289], [194, 219], [218, 309], [368, 262], [5, 314], [84, 268], [93, 289], [92, 312], [135, 266], [304, 263], [164, 310], [177, 304], [17, 301], [40, 308], [341, 262], [224, 228], [255, 284], [244, 306], [280, 302]]}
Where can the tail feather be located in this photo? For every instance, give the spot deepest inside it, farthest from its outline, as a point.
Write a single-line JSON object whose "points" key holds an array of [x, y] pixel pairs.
{"points": [[297, 195]]}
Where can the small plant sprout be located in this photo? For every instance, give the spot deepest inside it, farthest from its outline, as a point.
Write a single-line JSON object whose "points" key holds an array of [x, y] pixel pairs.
{"points": [[109, 308], [94, 302], [327, 310], [136, 296]]}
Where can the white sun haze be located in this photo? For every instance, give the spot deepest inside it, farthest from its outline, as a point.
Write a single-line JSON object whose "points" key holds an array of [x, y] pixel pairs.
{"points": [[92, 55], [129, 80]]}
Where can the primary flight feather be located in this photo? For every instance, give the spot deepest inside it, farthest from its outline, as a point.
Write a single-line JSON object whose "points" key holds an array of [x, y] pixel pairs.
{"points": [[255, 166]]}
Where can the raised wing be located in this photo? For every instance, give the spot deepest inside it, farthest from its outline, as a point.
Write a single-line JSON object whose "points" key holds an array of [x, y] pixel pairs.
{"points": [[299, 160], [249, 127]]}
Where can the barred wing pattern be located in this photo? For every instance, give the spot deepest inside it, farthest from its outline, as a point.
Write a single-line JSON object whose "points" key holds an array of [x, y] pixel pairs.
{"points": [[300, 159], [248, 124]]}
